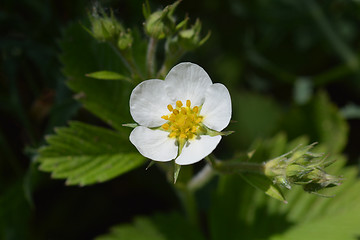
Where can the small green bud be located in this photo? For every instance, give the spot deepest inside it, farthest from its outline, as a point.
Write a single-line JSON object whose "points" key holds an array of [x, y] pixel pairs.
{"points": [[160, 24], [301, 167], [125, 40], [190, 38], [105, 28]]}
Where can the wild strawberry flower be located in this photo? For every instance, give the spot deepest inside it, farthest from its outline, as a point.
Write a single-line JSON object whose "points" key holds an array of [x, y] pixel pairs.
{"points": [[180, 117]]}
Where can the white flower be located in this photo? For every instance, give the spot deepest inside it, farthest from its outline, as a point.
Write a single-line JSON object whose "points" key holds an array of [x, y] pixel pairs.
{"points": [[180, 117]]}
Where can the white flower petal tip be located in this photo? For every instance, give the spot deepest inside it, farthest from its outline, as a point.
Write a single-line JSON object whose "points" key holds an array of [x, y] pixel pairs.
{"points": [[196, 150], [154, 144], [180, 108], [217, 107], [188, 81]]}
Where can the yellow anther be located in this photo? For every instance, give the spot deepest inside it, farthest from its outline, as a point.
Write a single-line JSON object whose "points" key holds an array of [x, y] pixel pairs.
{"points": [[193, 129], [179, 103], [173, 134], [165, 126], [172, 118], [183, 111], [183, 135], [183, 121], [170, 108]]}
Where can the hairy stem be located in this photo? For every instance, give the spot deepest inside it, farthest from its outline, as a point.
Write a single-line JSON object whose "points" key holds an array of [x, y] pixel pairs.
{"points": [[150, 57]]}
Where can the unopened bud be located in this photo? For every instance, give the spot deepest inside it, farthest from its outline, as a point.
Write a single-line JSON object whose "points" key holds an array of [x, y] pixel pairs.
{"points": [[160, 23], [125, 40], [301, 167], [190, 38], [105, 28]]}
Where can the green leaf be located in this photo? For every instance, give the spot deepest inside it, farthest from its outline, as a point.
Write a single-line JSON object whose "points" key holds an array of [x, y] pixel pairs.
{"points": [[265, 184], [159, 227], [85, 154], [82, 54], [256, 116], [108, 75]]}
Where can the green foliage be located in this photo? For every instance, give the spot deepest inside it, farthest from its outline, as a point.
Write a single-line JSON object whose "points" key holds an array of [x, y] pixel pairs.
{"points": [[84, 154], [159, 227], [321, 120], [305, 216], [289, 65], [255, 117], [81, 54], [264, 184]]}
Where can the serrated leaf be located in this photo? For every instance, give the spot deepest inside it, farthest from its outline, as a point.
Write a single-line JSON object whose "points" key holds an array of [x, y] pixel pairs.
{"points": [[108, 75], [264, 184], [84, 154]]}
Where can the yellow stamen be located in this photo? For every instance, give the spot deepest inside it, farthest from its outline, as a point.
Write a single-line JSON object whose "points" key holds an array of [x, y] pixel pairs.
{"points": [[173, 134], [184, 122], [183, 111], [193, 129], [170, 108], [183, 135], [179, 104]]}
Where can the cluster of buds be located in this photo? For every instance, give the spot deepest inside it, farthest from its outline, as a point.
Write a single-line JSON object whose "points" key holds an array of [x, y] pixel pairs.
{"points": [[301, 167], [108, 28], [162, 24]]}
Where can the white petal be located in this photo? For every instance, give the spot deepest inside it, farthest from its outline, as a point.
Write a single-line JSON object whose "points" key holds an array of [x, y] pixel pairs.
{"points": [[154, 144], [188, 81], [148, 102], [217, 107], [197, 149]]}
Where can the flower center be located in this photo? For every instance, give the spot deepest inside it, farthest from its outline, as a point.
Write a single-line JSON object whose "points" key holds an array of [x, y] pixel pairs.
{"points": [[184, 122]]}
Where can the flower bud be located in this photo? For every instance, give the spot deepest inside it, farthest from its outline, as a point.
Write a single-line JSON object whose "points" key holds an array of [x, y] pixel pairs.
{"points": [[301, 167], [160, 23], [125, 40], [105, 28], [190, 38]]}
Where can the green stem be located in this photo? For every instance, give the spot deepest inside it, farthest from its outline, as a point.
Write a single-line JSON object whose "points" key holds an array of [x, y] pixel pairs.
{"points": [[188, 200], [230, 167], [150, 57], [129, 62], [201, 178], [170, 60]]}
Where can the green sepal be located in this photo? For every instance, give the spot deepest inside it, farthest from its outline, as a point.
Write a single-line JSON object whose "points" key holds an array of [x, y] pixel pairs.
{"points": [[177, 168], [108, 75], [130, 125]]}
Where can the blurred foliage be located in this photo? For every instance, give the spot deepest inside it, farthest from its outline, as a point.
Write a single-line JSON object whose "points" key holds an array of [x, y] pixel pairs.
{"points": [[291, 67]]}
